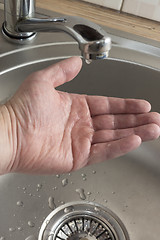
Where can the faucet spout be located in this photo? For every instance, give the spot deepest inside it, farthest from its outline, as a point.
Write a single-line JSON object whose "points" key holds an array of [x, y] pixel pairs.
{"points": [[92, 39]]}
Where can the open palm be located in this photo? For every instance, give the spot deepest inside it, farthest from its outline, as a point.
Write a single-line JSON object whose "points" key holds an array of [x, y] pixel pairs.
{"points": [[58, 132]]}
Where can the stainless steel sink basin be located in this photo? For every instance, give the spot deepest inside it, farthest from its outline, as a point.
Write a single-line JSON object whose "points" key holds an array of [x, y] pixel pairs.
{"points": [[129, 186]]}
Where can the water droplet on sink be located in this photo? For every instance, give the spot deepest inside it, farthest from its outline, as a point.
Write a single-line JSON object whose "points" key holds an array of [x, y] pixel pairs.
{"points": [[68, 209], [81, 193], [51, 203], [89, 193], [83, 175], [19, 203], [31, 224], [11, 229], [88, 61], [94, 172], [31, 237], [58, 176], [96, 209], [39, 185], [47, 222], [2, 238], [19, 228], [64, 182]]}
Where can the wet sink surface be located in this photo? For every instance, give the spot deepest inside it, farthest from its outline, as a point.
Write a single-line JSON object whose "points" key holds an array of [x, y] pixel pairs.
{"points": [[128, 186]]}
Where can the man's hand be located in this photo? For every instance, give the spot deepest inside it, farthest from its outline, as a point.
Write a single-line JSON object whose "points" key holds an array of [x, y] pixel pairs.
{"points": [[47, 131]]}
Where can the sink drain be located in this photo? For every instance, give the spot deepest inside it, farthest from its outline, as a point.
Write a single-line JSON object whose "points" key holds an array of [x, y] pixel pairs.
{"points": [[82, 221]]}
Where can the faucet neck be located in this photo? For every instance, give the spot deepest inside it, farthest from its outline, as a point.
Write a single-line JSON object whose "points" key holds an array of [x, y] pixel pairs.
{"points": [[14, 11]]}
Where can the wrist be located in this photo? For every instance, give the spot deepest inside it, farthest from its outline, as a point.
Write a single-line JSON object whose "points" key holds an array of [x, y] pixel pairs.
{"points": [[7, 140]]}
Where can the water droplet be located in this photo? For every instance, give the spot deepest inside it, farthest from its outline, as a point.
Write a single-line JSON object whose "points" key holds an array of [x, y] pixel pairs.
{"points": [[30, 194], [89, 193], [55, 188], [31, 224], [19, 203], [11, 229], [64, 182], [113, 192], [51, 203], [88, 61], [39, 185], [96, 209], [68, 209], [19, 228], [24, 188], [83, 175], [47, 222], [81, 193], [62, 202], [84, 179], [2, 238], [31, 237], [94, 172], [58, 176], [105, 200]]}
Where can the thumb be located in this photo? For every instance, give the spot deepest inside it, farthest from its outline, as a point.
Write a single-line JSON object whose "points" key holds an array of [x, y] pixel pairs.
{"points": [[63, 71]]}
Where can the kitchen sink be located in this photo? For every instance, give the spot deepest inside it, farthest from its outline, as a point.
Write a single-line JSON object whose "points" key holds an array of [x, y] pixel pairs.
{"points": [[128, 186]]}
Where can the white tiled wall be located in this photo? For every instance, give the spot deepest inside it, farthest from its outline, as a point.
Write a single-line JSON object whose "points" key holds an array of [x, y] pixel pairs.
{"points": [[143, 8], [115, 4]]}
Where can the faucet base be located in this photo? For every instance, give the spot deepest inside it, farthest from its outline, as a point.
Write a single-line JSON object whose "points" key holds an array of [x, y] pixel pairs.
{"points": [[21, 38]]}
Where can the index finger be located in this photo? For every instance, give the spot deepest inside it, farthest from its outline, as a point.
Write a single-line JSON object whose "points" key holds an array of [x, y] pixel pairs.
{"points": [[99, 105]]}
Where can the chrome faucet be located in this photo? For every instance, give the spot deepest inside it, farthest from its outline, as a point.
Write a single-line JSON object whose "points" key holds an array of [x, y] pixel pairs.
{"points": [[20, 24]]}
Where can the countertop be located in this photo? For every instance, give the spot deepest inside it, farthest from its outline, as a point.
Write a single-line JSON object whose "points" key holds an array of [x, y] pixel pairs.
{"points": [[107, 17]]}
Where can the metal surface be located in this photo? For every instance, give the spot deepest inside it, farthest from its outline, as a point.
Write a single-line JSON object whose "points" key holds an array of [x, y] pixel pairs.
{"points": [[82, 220], [14, 11], [128, 186], [21, 25]]}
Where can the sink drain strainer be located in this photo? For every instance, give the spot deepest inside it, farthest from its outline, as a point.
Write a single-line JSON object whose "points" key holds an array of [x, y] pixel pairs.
{"points": [[82, 221]]}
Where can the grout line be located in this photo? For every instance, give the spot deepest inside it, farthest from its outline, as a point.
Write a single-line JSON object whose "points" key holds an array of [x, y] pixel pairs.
{"points": [[122, 5]]}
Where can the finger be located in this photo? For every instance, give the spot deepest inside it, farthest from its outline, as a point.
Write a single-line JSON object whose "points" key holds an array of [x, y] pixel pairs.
{"points": [[145, 132], [108, 105], [62, 71], [105, 151], [123, 121]]}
